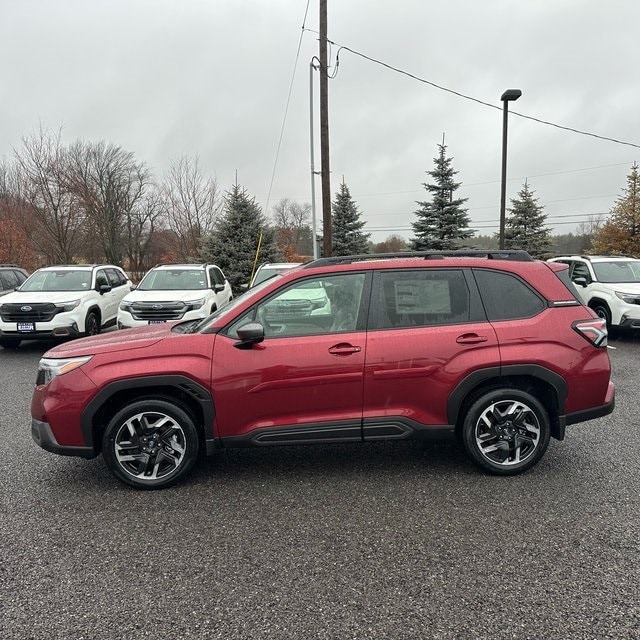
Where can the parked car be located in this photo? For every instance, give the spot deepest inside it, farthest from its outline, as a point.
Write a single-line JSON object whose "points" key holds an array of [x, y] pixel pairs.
{"points": [[270, 269], [64, 301], [11, 277], [492, 347], [175, 292], [610, 285]]}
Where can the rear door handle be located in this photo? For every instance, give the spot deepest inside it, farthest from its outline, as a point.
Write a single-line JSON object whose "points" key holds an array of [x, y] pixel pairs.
{"points": [[470, 338], [343, 349]]}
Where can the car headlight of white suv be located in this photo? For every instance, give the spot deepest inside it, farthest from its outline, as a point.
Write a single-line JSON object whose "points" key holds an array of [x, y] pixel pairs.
{"points": [[67, 306], [629, 298], [192, 305]]}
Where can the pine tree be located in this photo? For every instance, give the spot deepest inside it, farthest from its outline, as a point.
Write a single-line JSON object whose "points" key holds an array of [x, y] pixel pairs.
{"points": [[525, 225], [442, 223], [347, 235], [233, 243], [621, 234]]}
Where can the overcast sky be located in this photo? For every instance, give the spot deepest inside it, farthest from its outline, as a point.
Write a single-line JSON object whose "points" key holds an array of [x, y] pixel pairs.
{"points": [[165, 78]]}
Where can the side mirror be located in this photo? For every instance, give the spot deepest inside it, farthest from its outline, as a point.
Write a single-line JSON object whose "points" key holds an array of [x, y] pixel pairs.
{"points": [[104, 288], [250, 334], [580, 280], [218, 288], [244, 287], [133, 287]]}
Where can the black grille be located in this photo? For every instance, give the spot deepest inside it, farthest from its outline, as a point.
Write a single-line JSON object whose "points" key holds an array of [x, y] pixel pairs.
{"points": [[158, 310], [24, 312]]}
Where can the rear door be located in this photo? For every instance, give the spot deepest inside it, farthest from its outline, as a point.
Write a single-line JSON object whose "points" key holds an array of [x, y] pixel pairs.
{"points": [[427, 332]]}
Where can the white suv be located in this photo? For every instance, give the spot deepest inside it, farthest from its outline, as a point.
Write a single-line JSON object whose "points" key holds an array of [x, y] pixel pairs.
{"points": [[62, 302], [175, 292], [610, 285]]}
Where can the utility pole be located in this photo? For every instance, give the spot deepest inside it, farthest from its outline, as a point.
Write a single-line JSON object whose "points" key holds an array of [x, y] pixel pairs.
{"points": [[324, 132]]}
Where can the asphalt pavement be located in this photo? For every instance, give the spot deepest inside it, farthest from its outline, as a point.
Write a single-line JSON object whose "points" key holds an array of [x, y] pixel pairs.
{"points": [[384, 540]]}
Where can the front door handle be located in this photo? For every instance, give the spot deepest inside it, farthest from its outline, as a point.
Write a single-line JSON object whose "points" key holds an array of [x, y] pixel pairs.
{"points": [[343, 349], [470, 338]]}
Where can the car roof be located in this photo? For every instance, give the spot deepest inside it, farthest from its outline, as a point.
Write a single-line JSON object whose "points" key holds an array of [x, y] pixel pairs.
{"points": [[183, 266], [76, 267], [596, 258]]}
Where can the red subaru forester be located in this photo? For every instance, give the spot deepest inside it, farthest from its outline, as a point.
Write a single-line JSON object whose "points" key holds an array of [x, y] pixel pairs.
{"points": [[494, 347]]}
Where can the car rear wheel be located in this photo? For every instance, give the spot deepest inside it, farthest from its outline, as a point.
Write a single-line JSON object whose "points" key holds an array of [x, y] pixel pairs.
{"points": [[150, 444], [506, 431]]}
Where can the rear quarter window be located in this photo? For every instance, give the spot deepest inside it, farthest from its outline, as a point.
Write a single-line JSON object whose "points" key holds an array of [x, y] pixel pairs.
{"points": [[506, 297]]}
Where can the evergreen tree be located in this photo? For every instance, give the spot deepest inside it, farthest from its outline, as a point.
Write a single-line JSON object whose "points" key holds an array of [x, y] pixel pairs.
{"points": [[621, 233], [525, 225], [233, 243], [442, 223], [347, 235]]}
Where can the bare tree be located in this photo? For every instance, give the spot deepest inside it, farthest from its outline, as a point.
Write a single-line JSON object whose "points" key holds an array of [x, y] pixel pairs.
{"points": [[192, 202], [15, 215], [110, 187], [293, 234], [41, 166]]}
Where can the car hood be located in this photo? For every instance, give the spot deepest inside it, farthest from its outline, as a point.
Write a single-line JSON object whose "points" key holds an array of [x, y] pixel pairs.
{"points": [[27, 297], [123, 340], [166, 296]]}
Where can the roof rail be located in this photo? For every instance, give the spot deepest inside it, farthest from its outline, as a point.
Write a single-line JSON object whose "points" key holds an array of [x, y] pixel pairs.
{"points": [[9, 264], [506, 254]]}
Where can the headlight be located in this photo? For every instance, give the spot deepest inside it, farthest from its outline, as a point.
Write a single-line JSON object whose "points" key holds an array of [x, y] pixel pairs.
{"points": [[67, 306], [125, 306], [49, 368], [629, 298], [192, 305]]}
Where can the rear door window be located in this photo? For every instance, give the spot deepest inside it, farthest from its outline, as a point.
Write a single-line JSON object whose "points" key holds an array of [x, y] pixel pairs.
{"points": [[422, 297]]}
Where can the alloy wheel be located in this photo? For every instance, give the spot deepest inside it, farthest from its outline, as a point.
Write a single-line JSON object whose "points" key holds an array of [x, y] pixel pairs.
{"points": [[507, 432]]}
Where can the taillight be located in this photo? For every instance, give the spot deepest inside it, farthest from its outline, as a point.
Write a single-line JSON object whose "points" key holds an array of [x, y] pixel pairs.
{"points": [[595, 331]]}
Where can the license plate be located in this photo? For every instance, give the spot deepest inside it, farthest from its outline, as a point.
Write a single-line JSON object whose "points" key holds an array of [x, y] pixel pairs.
{"points": [[157, 321], [26, 327]]}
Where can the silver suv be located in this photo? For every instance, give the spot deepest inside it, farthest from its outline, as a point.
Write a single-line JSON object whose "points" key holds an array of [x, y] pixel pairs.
{"points": [[64, 301], [610, 285]]}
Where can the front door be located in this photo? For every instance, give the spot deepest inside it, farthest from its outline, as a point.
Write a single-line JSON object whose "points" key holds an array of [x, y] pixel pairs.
{"points": [[304, 382]]}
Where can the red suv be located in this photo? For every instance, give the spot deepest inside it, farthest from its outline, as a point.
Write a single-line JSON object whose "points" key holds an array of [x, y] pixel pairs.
{"points": [[494, 347]]}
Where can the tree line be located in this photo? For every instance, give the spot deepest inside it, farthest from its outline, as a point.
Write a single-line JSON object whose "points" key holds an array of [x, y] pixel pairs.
{"points": [[95, 202]]}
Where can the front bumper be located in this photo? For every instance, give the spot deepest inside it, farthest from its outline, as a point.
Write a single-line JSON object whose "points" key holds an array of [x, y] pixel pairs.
{"points": [[43, 437]]}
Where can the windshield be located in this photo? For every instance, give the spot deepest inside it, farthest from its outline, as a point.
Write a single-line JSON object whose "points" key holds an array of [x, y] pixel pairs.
{"points": [[230, 307], [174, 279], [617, 271], [58, 280]]}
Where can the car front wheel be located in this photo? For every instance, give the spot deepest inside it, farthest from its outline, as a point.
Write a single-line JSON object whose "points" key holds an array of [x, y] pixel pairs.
{"points": [[150, 444], [506, 431]]}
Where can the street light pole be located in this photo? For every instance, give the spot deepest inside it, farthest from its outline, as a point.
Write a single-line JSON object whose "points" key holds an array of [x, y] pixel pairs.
{"points": [[508, 96]]}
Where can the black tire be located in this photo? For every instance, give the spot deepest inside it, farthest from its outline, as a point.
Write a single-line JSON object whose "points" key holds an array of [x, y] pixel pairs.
{"points": [[91, 324], [10, 343], [150, 444], [603, 311], [506, 431]]}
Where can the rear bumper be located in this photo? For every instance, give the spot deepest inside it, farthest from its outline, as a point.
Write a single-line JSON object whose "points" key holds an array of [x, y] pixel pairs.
{"points": [[43, 437], [589, 414]]}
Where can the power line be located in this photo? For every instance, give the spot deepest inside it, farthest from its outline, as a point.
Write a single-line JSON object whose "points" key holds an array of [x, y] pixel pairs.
{"points": [[471, 98], [286, 109]]}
